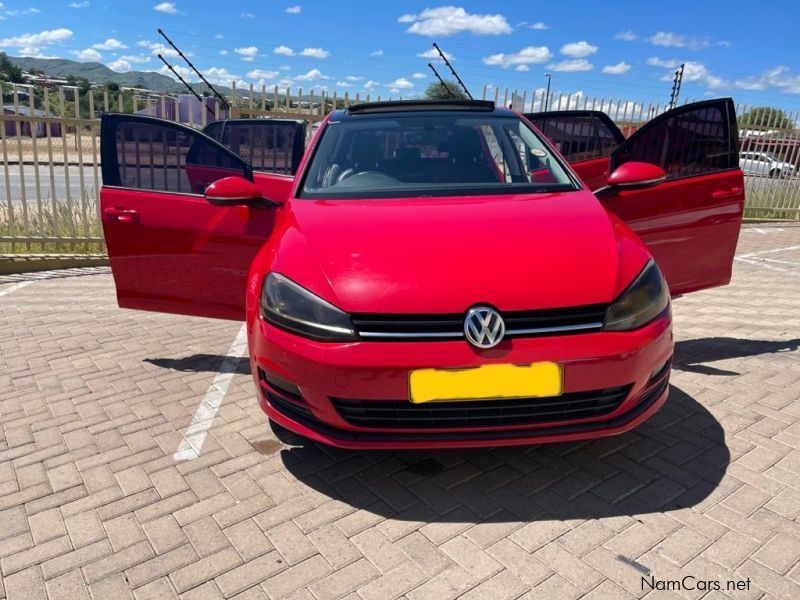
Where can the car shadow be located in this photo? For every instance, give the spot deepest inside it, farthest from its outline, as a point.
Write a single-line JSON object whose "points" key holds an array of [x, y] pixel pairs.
{"points": [[200, 363], [692, 355], [674, 460]]}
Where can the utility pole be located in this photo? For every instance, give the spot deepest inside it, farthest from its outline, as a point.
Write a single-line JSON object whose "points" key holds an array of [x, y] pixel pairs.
{"points": [[547, 93], [452, 70], [199, 74], [676, 87], [449, 91]]}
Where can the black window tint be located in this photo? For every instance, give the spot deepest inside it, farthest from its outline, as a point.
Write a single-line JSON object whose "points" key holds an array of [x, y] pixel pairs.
{"points": [[151, 155], [608, 138], [688, 143], [574, 136], [270, 146]]}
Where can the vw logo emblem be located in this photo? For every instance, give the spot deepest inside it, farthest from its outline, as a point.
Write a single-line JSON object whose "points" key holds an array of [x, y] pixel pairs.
{"points": [[484, 327]]}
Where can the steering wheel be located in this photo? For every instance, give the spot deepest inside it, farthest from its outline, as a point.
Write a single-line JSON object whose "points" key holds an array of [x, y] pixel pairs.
{"points": [[349, 176]]}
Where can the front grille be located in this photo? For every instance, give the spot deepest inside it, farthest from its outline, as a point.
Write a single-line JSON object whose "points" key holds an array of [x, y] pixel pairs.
{"points": [[410, 327], [402, 414]]}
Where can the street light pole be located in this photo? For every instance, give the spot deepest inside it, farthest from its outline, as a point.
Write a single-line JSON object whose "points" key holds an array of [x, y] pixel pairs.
{"points": [[547, 93]]}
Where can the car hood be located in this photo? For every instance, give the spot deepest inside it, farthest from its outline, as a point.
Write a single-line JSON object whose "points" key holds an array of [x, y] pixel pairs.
{"points": [[443, 255]]}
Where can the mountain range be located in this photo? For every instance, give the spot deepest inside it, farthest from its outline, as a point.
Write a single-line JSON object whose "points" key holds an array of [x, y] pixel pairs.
{"points": [[100, 73]]}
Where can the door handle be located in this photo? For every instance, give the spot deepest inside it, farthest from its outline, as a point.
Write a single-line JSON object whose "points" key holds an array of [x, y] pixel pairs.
{"points": [[720, 194], [121, 215]]}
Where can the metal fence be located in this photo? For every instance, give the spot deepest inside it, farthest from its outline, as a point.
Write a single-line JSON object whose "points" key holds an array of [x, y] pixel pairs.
{"points": [[49, 139]]}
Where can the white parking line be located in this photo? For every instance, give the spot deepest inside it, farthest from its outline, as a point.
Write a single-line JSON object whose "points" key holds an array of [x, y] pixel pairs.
{"points": [[771, 251], [197, 431], [15, 287], [762, 263]]}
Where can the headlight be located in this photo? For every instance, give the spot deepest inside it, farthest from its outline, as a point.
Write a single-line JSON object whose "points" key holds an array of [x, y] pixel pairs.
{"points": [[287, 305], [641, 302]]}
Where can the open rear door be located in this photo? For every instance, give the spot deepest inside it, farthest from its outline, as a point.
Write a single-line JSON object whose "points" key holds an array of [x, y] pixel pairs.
{"points": [[170, 250], [691, 221], [272, 147], [585, 138]]}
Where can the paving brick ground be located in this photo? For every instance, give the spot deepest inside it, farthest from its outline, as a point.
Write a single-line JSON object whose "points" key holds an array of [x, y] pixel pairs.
{"points": [[95, 400]]}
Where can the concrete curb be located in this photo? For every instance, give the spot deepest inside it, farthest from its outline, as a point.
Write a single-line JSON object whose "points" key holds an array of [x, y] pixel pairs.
{"points": [[29, 263]]}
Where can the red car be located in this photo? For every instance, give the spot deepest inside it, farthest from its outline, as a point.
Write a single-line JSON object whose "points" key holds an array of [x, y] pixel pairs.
{"points": [[432, 274]]}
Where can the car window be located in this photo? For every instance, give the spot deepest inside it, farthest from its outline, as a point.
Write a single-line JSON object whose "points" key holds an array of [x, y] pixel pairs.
{"points": [[163, 157], [574, 136], [422, 155], [688, 143], [268, 145]]}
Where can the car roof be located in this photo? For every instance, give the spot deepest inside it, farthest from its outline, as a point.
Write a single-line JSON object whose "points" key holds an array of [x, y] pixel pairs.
{"points": [[422, 107]]}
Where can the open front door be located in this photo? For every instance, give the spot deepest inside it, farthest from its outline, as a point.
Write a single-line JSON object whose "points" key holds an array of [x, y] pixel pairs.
{"points": [[170, 250], [585, 138], [272, 147], [691, 221]]}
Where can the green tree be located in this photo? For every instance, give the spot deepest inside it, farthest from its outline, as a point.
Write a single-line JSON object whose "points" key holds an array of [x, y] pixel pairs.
{"points": [[8, 70], [438, 91], [766, 116]]}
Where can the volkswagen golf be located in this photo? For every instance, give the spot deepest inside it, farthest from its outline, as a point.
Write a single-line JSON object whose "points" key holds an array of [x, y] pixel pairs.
{"points": [[431, 274]]}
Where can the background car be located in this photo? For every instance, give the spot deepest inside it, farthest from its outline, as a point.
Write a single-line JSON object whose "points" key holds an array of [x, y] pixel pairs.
{"points": [[763, 163]]}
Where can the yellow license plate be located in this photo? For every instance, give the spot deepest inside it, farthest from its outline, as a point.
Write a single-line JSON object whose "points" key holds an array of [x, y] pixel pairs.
{"points": [[539, 379]]}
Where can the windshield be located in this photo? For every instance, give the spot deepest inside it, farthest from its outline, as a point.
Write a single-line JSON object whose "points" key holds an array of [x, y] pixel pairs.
{"points": [[438, 155]]}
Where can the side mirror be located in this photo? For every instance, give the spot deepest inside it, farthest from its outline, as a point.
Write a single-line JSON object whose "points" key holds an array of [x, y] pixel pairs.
{"points": [[636, 174], [234, 191]]}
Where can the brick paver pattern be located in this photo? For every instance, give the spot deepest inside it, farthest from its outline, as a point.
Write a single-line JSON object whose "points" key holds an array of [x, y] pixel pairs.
{"points": [[95, 400]]}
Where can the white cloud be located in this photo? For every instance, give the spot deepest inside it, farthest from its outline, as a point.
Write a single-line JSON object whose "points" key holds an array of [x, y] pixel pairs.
{"points": [[400, 83], [82, 4], [371, 84], [312, 75], [343, 84], [626, 36], [376, 53], [17, 12], [110, 44], [674, 40], [434, 55], [578, 49], [222, 76], [285, 68], [135, 58], [120, 65], [353, 78], [450, 20], [294, 10], [539, 25], [32, 44], [530, 55], [167, 8], [157, 48], [283, 51], [88, 54], [247, 15], [419, 76], [618, 69], [654, 61], [692, 71], [522, 68], [262, 74], [184, 72], [247, 53], [578, 64], [315, 52], [223, 52]]}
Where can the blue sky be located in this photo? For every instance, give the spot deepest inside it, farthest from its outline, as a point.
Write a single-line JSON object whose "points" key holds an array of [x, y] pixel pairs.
{"points": [[604, 49]]}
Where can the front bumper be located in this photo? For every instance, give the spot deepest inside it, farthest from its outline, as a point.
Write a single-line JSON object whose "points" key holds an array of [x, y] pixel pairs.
{"points": [[299, 379]]}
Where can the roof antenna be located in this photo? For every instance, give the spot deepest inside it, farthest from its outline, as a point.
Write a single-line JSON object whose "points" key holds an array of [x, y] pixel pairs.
{"points": [[452, 70], [188, 87], [199, 74], [449, 91]]}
